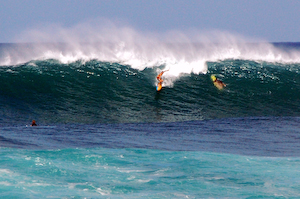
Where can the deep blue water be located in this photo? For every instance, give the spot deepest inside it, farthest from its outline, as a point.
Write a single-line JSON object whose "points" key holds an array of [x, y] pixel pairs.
{"points": [[104, 132]]}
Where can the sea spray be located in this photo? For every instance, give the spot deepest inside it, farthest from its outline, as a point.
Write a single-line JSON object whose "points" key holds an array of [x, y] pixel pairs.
{"points": [[181, 52]]}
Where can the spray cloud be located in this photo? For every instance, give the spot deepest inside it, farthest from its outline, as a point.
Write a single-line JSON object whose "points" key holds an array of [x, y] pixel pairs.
{"points": [[180, 52]]}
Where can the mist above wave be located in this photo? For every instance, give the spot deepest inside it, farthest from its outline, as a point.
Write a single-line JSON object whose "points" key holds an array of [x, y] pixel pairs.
{"points": [[179, 52]]}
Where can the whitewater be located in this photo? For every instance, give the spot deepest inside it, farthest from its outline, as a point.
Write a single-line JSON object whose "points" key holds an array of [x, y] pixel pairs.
{"points": [[104, 132]]}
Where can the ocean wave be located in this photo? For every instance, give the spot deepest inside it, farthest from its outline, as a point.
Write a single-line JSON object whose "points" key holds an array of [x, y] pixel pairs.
{"points": [[179, 52], [103, 92]]}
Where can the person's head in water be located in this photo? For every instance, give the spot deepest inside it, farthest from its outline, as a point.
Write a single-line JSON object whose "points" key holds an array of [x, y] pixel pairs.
{"points": [[33, 123]]}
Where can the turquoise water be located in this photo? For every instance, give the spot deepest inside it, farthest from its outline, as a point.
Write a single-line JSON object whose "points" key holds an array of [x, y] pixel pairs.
{"points": [[228, 158], [144, 173]]}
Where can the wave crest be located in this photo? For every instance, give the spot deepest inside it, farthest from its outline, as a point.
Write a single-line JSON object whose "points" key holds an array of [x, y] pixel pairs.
{"points": [[180, 52]]}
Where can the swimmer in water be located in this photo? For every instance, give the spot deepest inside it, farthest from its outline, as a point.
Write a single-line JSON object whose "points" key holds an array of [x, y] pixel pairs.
{"points": [[33, 123], [218, 83]]}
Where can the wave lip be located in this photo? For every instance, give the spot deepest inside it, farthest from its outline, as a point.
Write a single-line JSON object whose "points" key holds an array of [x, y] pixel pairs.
{"points": [[142, 50]]}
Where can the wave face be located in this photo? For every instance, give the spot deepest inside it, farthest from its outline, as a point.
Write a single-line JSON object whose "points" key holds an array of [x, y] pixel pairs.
{"points": [[111, 91]]}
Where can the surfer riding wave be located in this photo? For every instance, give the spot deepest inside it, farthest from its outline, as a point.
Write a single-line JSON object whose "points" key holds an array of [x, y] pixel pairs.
{"points": [[160, 80], [218, 83]]}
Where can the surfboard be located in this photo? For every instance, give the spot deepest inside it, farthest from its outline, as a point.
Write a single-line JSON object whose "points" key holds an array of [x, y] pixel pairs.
{"points": [[218, 85], [158, 87]]}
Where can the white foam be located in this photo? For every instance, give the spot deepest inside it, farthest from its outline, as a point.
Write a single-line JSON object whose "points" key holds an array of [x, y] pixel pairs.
{"points": [[180, 52], [6, 171], [103, 192], [123, 170], [3, 183]]}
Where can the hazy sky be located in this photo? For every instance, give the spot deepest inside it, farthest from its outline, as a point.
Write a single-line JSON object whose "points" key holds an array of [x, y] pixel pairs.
{"points": [[271, 20]]}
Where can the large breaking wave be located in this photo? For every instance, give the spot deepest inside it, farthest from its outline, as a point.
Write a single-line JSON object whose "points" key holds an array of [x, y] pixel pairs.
{"points": [[100, 92]]}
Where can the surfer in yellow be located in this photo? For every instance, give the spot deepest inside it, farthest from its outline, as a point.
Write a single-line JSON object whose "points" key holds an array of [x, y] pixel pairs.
{"points": [[218, 83], [160, 81]]}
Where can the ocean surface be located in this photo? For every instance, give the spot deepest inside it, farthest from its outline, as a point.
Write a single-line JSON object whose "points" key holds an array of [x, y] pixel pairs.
{"points": [[105, 132]]}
